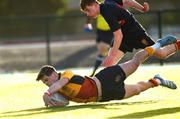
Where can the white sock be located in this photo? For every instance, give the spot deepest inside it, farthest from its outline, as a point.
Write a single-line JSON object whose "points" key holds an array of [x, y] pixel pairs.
{"points": [[156, 46]]}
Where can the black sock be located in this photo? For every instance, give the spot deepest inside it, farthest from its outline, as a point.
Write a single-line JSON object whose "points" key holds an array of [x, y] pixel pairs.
{"points": [[98, 62]]}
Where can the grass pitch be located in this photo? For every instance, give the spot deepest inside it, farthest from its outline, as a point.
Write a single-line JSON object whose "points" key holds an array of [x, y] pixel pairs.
{"points": [[21, 97]]}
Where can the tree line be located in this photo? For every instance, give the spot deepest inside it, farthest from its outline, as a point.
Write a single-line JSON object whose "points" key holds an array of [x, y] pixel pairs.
{"points": [[32, 7]]}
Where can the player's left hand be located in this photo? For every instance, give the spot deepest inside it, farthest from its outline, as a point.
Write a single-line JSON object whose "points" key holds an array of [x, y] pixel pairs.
{"points": [[88, 28], [146, 7], [47, 101]]}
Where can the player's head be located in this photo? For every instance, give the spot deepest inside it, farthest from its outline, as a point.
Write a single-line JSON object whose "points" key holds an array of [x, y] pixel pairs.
{"points": [[90, 7], [48, 75]]}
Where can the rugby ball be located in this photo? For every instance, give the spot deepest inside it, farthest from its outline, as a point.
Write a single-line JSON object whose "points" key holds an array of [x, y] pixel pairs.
{"points": [[58, 98]]}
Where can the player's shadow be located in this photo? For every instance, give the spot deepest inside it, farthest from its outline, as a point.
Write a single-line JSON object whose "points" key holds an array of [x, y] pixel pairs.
{"points": [[149, 113], [44, 110]]}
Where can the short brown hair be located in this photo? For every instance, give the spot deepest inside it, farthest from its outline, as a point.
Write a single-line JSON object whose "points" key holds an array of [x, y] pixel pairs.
{"points": [[84, 3], [46, 70]]}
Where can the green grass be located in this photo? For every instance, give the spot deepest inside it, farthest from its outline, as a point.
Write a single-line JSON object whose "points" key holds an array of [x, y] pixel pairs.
{"points": [[21, 98]]}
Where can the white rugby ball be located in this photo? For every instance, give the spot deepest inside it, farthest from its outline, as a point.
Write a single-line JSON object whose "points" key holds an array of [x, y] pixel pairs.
{"points": [[58, 98]]}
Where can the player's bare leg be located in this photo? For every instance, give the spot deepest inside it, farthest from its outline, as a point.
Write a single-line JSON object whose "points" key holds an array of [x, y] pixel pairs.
{"points": [[141, 86], [119, 55], [130, 66], [167, 51], [136, 89]]}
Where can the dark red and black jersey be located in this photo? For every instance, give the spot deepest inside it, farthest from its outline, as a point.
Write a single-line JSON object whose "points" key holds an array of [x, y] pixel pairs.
{"points": [[79, 89]]}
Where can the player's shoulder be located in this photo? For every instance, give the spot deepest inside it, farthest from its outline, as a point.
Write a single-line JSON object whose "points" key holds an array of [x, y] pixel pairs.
{"points": [[111, 9], [67, 74], [106, 6], [67, 71], [110, 6]]}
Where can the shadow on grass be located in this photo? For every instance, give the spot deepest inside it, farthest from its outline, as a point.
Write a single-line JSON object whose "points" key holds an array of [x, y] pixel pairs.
{"points": [[44, 110], [149, 113]]}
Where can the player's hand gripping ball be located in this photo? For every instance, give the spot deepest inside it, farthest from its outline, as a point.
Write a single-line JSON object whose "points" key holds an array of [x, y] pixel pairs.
{"points": [[58, 99]]}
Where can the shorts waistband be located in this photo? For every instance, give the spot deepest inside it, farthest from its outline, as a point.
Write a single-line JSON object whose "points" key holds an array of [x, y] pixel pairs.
{"points": [[98, 84]]}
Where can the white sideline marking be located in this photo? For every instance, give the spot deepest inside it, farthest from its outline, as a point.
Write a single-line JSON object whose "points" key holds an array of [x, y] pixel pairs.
{"points": [[44, 45]]}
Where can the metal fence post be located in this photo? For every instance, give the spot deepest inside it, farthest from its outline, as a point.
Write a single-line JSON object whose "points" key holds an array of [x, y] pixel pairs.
{"points": [[48, 49]]}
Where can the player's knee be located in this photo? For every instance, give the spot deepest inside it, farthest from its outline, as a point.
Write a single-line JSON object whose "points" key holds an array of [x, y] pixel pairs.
{"points": [[136, 59], [135, 62]]}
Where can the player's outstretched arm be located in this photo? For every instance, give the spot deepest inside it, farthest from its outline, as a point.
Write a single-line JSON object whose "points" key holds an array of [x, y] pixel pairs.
{"points": [[58, 85], [134, 4], [53, 89]]}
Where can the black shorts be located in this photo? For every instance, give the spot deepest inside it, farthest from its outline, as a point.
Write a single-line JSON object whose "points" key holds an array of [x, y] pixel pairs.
{"points": [[112, 83], [135, 40], [104, 36]]}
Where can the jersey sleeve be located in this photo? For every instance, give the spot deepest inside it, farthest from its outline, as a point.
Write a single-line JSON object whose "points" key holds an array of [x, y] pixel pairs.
{"points": [[67, 74]]}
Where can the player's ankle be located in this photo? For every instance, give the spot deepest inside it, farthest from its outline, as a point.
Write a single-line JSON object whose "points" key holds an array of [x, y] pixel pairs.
{"points": [[149, 50], [154, 82]]}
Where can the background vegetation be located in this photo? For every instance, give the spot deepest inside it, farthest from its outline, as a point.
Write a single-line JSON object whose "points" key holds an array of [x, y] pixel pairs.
{"points": [[32, 7], [30, 22], [30, 18]]}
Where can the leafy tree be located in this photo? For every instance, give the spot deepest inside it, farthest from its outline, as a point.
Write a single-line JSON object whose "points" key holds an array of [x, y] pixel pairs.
{"points": [[31, 7]]}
